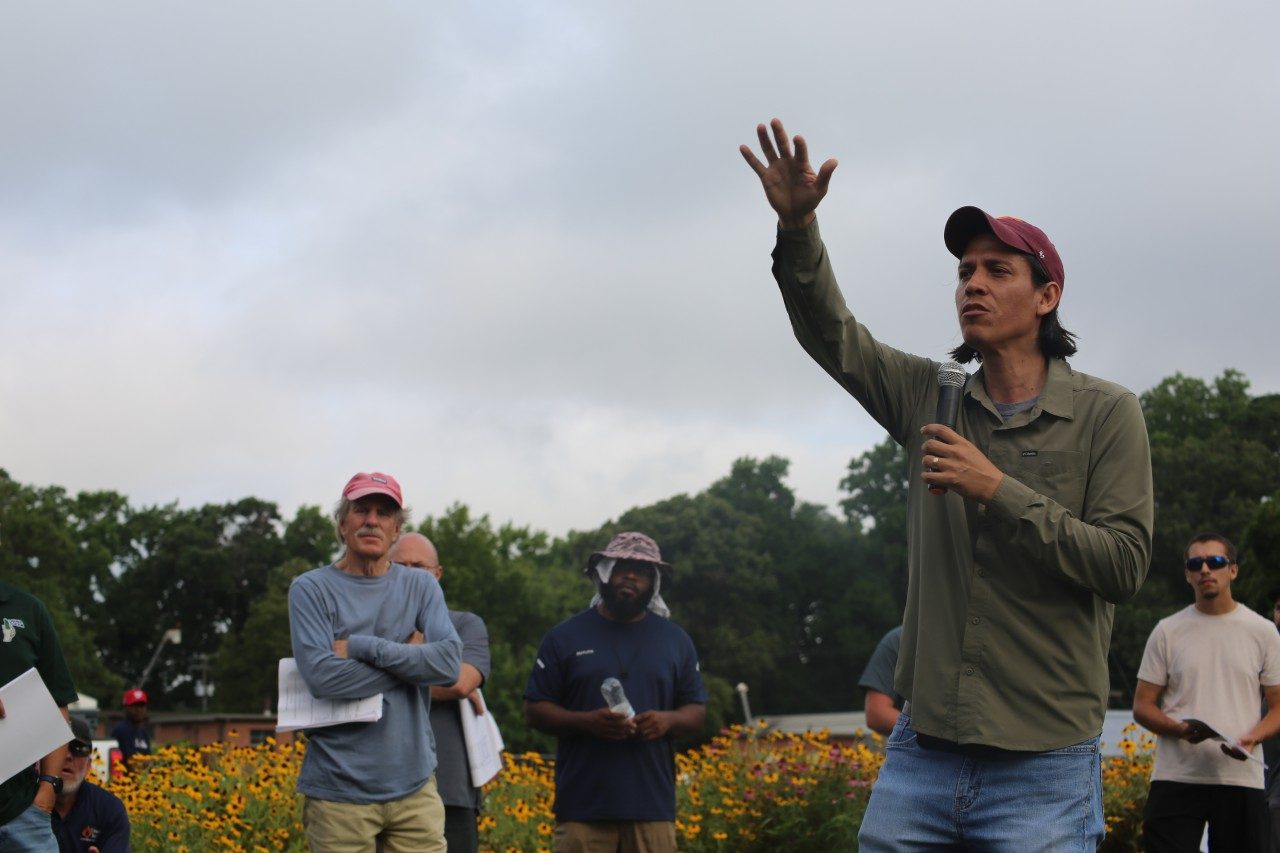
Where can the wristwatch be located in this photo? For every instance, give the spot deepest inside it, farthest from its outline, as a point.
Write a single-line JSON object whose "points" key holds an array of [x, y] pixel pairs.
{"points": [[55, 781]]}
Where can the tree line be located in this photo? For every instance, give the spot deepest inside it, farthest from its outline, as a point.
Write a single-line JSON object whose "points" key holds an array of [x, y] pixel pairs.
{"points": [[778, 593]]}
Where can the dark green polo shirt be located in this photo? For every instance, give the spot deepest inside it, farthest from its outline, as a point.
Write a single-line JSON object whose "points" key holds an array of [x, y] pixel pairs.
{"points": [[27, 640], [1009, 604]]}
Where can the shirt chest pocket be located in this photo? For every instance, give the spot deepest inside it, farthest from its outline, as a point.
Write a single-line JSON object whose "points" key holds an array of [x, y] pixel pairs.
{"points": [[1056, 474]]}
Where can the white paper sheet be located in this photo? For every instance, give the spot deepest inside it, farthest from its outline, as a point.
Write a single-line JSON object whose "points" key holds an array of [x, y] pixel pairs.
{"points": [[1230, 746], [32, 726], [298, 709], [484, 742]]}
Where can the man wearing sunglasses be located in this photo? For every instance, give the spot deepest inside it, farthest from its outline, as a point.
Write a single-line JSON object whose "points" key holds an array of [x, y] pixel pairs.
{"points": [[86, 818], [1209, 662]]}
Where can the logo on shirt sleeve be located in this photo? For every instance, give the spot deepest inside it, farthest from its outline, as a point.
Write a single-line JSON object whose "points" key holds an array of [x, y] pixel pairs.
{"points": [[9, 629]]}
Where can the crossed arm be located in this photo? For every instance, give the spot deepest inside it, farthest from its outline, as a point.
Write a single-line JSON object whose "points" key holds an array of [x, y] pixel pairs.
{"points": [[360, 666]]}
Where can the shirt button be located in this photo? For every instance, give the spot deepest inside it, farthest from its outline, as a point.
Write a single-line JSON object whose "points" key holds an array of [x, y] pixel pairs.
{"points": [[969, 671], [974, 621]]}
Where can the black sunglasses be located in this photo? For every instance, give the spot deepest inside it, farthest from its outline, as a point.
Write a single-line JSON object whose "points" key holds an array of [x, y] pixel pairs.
{"points": [[1215, 562], [79, 750]]}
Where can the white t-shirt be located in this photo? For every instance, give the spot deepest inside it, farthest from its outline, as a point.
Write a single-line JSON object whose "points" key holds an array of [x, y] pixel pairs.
{"points": [[1213, 669]]}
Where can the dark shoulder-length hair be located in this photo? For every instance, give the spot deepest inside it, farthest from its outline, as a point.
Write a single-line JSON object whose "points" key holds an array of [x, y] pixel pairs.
{"points": [[1055, 341]]}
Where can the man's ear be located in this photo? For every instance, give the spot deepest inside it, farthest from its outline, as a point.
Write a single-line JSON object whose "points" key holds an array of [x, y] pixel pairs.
{"points": [[1049, 297]]}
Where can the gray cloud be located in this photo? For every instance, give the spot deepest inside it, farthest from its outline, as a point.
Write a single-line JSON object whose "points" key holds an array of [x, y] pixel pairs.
{"points": [[512, 255]]}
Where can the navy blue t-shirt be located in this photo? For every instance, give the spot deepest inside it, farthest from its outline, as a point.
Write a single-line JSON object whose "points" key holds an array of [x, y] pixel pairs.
{"points": [[658, 667], [97, 819], [133, 739]]}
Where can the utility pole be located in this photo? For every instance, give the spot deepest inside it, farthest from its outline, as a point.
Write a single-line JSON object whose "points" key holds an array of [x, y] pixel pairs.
{"points": [[203, 688], [746, 707], [173, 635]]}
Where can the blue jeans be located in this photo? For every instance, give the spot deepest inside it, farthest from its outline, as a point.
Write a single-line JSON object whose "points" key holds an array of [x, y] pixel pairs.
{"points": [[29, 832], [958, 799]]}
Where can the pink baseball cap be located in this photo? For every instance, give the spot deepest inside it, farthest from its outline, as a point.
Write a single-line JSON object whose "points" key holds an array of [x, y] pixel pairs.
{"points": [[968, 222], [363, 485]]}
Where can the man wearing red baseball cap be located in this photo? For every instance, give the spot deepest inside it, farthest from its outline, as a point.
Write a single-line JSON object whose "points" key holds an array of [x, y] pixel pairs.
{"points": [[131, 732], [1040, 523], [364, 626]]}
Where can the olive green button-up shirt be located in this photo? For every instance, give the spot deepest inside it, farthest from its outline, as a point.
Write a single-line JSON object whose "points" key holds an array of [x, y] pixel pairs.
{"points": [[1009, 604]]}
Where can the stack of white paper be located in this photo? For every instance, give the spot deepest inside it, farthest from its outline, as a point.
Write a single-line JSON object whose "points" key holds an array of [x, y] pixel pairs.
{"points": [[32, 726], [298, 709], [484, 742]]}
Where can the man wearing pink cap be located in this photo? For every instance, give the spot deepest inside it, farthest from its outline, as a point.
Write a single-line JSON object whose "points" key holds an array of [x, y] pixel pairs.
{"points": [[363, 626], [1040, 523]]}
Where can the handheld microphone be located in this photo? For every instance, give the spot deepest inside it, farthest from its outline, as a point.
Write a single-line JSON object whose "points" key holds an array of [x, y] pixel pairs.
{"points": [[951, 377]]}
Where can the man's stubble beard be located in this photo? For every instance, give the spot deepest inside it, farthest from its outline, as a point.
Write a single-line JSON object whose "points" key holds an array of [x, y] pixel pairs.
{"points": [[624, 609]]}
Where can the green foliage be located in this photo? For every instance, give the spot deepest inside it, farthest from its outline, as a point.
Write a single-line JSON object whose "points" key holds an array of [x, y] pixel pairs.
{"points": [[495, 573], [1259, 581], [1212, 464], [60, 549], [776, 592], [199, 568], [246, 669], [1215, 457]]}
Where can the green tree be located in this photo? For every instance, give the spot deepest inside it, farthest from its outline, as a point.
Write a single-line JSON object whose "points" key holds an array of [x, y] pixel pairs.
{"points": [[1211, 465], [248, 659], [61, 550], [876, 483], [497, 573], [310, 537], [1215, 457], [200, 568]]}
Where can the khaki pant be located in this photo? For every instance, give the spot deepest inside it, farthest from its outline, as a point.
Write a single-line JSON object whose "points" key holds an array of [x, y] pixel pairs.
{"points": [[414, 824], [615, 836]]}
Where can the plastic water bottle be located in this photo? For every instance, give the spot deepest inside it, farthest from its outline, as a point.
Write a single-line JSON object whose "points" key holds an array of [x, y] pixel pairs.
{"points": [[616, 698]]}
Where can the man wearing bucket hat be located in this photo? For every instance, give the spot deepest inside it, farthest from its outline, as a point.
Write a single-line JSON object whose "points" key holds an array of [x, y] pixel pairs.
{"points": [[86, 818], [364, 626], [1039, 524], [615, 766]]}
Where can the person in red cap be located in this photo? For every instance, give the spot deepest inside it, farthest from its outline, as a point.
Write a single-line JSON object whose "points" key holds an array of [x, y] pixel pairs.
{"points": [[131, 733], [364, 626], [615, 765], [1038, 524]]}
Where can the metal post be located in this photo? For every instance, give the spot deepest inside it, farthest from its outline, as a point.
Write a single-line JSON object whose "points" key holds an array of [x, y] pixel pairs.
{"points": [[173, 635], [746, 707]]}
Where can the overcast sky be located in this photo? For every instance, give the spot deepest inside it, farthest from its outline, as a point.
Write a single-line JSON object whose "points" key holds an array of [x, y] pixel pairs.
{"points": [[509, 253]]}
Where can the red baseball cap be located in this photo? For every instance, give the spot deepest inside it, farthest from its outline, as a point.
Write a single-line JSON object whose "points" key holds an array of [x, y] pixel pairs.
{"points": [[363, 485], [968, 222], [135, 697]]}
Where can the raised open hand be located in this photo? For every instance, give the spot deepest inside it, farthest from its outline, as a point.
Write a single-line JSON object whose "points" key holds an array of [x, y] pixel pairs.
{"points": [[790, 184]]}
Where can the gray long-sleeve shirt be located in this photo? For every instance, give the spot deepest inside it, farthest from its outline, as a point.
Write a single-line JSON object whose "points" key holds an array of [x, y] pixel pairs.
{"points": [[1009, 604], [393, 757]]}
